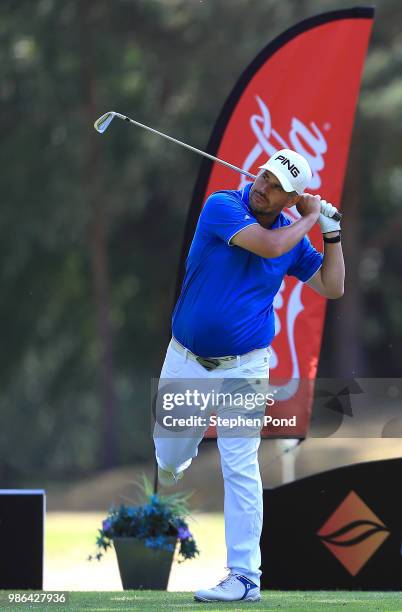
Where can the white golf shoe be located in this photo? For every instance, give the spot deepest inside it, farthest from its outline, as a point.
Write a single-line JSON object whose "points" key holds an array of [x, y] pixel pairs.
{"points": [[234, 587], [168, 479]]}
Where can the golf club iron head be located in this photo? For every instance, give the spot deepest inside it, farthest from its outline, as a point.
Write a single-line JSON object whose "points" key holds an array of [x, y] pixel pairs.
{"points": [[104, 121]]}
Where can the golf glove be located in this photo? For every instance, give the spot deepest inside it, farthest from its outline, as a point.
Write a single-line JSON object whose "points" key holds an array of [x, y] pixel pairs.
{"points": [[326, 223]]}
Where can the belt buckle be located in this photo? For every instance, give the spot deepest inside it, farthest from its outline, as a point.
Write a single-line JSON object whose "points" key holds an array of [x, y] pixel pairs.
{"points": [[208, 364]]}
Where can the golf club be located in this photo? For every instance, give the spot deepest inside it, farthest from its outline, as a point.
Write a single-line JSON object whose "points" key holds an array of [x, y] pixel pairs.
{"points": [[105, 120]]}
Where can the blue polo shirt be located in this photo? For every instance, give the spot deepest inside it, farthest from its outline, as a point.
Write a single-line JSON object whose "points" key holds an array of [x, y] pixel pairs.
{"points": [[225, 306]]}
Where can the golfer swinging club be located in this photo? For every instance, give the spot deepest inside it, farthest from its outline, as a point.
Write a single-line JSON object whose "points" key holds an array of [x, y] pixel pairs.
{"points": [[223, 324]]}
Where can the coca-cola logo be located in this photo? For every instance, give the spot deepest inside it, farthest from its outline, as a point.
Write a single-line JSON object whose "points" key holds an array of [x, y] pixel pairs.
{"points": [[310, 142], [289, 310]]}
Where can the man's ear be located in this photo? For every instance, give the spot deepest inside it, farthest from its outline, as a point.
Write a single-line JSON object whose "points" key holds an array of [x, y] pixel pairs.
{"points": [[294, 199]]}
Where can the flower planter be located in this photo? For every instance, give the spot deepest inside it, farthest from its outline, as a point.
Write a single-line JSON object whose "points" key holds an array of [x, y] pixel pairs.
{"points": [[141, 567], [128, 527]]}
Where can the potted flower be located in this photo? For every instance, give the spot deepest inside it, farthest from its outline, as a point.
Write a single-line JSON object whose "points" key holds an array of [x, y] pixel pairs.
{"points": [[145, 537]]}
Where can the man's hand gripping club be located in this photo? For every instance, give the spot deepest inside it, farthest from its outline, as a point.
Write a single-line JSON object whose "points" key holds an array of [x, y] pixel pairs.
{"points": [[326, 211]]}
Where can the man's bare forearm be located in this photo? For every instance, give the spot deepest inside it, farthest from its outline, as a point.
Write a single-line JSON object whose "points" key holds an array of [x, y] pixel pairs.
{"points": [[285, 238], [333, 269]]}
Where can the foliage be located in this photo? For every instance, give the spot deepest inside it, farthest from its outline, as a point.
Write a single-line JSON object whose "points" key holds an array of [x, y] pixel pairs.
{"points": [[156, 521], [158, 61]]}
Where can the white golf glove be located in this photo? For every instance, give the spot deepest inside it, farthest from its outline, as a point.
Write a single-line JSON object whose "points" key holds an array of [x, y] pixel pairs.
{"points": [[326, 223]]}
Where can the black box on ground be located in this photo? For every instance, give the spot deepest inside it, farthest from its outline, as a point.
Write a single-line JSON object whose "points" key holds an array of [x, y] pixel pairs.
{"points": [[22, 519]]}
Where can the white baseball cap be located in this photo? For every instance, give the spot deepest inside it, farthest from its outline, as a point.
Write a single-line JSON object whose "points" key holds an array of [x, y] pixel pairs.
{"points": [[290, 168]]}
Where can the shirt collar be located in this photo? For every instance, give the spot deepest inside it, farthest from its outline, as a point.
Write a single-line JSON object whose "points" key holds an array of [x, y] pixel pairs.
{"points": [[244, 193]]}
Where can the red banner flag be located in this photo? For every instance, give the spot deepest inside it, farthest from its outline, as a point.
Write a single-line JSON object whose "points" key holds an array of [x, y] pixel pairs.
{"points": [[299, 93]]}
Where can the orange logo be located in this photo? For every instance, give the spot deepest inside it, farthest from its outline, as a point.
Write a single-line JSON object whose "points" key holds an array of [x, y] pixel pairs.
{"points": [[353, 533]]}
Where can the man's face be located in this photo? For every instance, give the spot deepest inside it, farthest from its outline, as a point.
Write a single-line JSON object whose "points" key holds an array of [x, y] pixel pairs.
{"points": [[267, 195]]}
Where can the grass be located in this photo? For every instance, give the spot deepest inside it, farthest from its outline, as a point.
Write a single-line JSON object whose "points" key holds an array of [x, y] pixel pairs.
{"points": [[70, 538], [71, 533], [273, 600]]}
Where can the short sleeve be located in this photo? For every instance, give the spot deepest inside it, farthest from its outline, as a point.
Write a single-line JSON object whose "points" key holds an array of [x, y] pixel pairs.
{"points": [[306, 262], [224, 216]]}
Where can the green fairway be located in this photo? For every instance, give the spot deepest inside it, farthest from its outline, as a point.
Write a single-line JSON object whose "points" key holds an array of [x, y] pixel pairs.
{"points": [[70, 538], [156, 600]]}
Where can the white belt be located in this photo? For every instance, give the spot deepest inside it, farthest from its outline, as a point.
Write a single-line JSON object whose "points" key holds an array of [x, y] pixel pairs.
{"points": [[211, 363]]}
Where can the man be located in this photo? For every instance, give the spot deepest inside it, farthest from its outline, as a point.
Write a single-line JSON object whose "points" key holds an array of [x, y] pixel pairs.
{"points": [[223, 324]]}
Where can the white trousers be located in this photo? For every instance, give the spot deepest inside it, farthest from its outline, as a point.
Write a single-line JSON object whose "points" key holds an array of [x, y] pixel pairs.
{"points": [[243, 508]]}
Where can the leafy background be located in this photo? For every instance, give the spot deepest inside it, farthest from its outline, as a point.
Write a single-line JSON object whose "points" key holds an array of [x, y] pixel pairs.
{"points": [[90, 231]]}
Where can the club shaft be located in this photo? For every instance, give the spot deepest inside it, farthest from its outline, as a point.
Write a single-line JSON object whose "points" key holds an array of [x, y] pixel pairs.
{"points": [[183, 144], [337, 216]]}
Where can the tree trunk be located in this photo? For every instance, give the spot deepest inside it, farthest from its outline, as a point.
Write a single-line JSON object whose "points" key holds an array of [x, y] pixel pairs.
{"points": [[348, 358], [98, 241]]}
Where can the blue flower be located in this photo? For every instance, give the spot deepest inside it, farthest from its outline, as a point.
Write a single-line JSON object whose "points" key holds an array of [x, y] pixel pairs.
{"points": [[156, 542], [183, 533], [157, 523]]}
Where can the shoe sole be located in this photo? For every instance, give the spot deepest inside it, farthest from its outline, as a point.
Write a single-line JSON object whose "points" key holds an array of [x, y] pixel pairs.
{"points": [[204, 600]]}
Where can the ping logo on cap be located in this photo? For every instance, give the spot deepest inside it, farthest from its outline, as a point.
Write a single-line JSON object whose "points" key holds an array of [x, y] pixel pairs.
{"points": [[294, 170]]}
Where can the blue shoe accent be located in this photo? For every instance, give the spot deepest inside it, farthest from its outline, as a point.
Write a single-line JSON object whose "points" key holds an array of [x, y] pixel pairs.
{"points": [[235, 587], [248, 584]]}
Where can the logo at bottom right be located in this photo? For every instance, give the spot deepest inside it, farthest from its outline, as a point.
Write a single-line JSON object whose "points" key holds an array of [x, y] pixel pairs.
{"points": [[353, 533]]}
